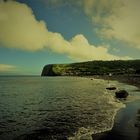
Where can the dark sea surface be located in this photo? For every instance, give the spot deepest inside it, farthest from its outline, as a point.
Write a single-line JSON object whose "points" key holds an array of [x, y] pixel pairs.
{"points": [[58, 108]]}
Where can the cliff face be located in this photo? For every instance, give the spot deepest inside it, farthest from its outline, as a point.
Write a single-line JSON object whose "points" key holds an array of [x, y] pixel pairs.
{"points": [[93, 68], [55, 70], [48, 71]]}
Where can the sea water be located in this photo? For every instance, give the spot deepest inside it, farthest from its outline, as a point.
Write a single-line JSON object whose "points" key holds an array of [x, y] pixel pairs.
{"points": [[57, 108]]}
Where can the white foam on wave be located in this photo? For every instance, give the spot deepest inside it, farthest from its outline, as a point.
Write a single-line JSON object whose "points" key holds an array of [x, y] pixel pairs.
{"points": [[82, 133], [108, 106], [105, 125]]}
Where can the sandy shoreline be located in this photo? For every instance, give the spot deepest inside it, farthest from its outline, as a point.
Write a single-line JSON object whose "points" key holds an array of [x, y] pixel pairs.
{"points": [[126, 119], [131, 80], [124, 126]]}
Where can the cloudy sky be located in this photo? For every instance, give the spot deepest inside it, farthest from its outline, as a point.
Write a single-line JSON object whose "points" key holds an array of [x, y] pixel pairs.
{"points": [[34, 33]]}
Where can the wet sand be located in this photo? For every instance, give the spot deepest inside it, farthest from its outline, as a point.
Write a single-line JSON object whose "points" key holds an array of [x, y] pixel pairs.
{"points": [[125, 124], [127, 120]]}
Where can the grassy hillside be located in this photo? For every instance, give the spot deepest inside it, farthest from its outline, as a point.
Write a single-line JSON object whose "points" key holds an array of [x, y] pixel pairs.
{"points": [[94, 68]]}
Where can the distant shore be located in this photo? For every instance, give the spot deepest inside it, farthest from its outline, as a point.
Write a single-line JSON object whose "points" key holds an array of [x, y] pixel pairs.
{"points": [[128, 79]]}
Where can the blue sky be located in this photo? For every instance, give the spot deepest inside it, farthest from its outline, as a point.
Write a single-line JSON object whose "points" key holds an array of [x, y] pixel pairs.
{"points": [[40, 32]]}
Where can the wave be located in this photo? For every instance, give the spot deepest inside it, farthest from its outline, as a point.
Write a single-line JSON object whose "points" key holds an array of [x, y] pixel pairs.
{"points": [[104, 118], [76, 108]]}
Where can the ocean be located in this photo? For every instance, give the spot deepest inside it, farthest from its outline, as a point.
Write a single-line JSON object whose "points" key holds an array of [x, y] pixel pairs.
{"points": [[58, 108]]}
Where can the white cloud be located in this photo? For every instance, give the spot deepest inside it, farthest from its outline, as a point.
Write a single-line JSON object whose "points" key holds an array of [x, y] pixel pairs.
{"points": [[84, 50], [124, 24], [7, 68], [117, 19], [20, 29]]}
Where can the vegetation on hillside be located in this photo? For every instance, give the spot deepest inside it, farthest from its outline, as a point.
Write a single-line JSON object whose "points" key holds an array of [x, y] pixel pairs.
{"points": [[116, 67]]}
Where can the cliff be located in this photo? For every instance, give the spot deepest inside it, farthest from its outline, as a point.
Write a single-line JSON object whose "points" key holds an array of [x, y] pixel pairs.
{"points": [[93, 68], [48, 71]]}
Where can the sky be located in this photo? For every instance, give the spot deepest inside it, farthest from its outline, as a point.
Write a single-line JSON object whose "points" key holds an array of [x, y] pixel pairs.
{"points": [[34, 33]]}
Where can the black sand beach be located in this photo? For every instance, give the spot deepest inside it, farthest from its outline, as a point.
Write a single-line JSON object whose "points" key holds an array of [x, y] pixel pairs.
{"points": [[125, 124], [127, 120], [128, 79]]}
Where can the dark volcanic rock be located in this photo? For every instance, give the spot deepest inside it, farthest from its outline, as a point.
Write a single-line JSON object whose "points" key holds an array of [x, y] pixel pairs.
{"points": [[121, 94], [48, 71], [137, 124], [111, 88], [137, 71]]}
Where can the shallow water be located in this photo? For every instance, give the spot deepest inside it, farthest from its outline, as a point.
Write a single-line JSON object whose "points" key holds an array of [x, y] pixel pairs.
{"points": [[126, 125], [57, 108]]}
